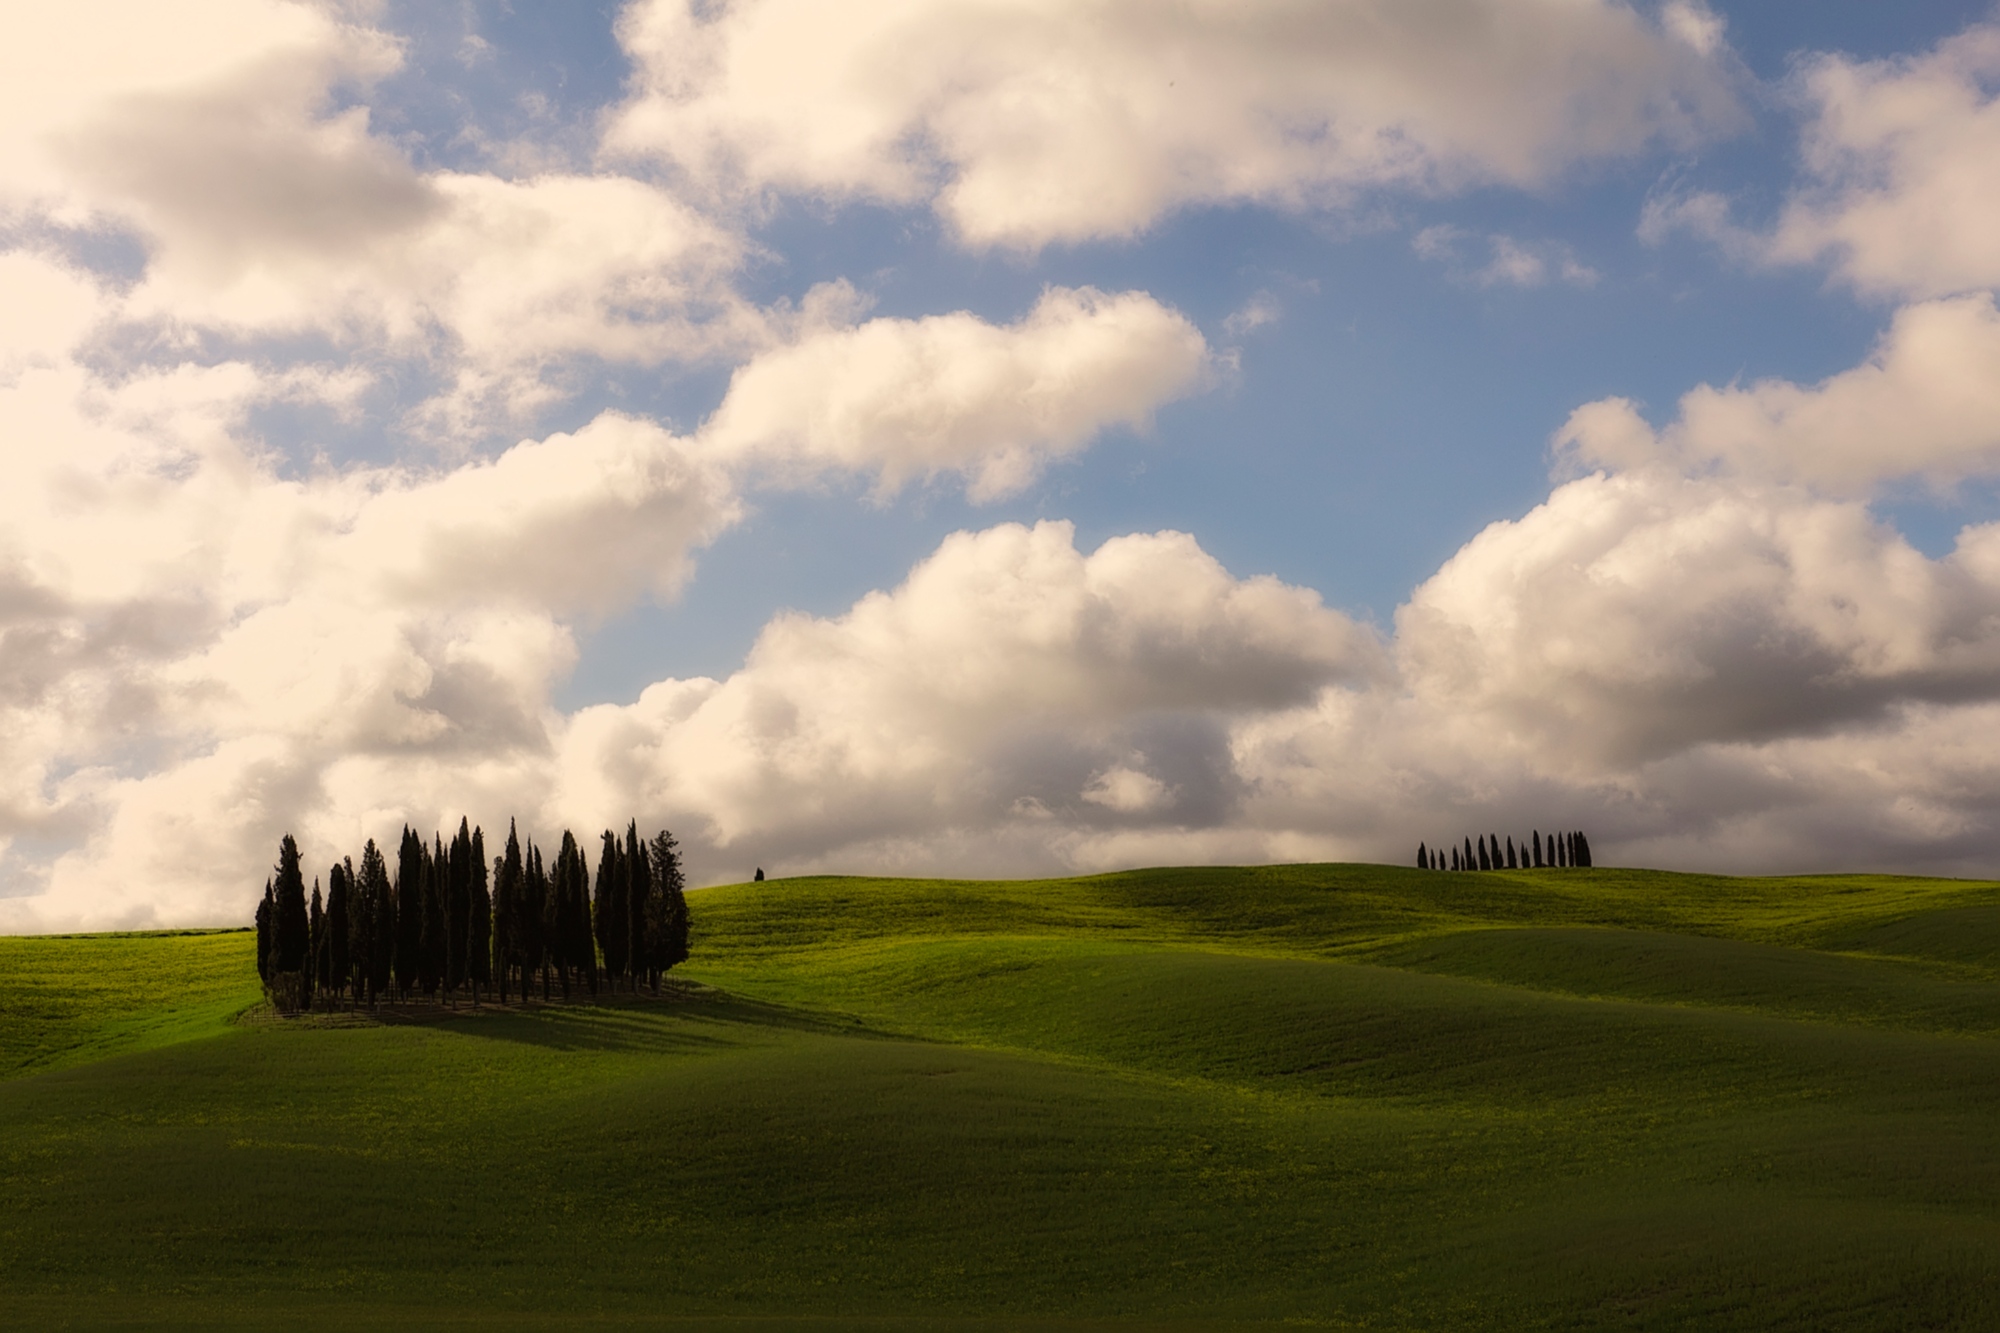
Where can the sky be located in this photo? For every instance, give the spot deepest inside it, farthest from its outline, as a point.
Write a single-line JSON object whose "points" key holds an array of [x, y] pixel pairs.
{"points": [[994, 437]]}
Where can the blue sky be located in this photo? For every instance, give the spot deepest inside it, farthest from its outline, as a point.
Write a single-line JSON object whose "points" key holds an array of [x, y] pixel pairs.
{"points": [[995, 436]]}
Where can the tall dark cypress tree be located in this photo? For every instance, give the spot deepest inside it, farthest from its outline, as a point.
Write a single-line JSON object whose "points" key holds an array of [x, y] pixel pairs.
{"points": [[639, 875], [431, 954], [1470, 861], [1454, 858], [455, 886], [508, 945], [1485, 861], [338, 926], [316, 968], [294, 926], [1423, 857], [1538, 849], [1562, 851], [1512, 864], [479, 928], [410, 875], [382, 953], [613, 920], [266, 910], [535, 914], [1583, 850]]}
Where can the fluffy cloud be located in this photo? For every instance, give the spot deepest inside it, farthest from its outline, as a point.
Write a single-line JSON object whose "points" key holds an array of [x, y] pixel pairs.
{"points": [[1011, 685], [1900, 154], [1925, 404], [912, 398], [1052, 120], [216, 134]]}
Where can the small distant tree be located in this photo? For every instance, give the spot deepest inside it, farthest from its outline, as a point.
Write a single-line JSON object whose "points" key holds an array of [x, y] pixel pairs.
{"points": [[1485, 860], [1423, 857], [759, 877], [1512, 864]]}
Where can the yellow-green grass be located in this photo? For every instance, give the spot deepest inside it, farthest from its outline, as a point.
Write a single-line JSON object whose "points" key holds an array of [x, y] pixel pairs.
{"points": [[1349, 1096]]}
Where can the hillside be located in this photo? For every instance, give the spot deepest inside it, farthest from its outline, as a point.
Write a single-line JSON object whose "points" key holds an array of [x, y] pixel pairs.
{"points": [[1354, 1096]]}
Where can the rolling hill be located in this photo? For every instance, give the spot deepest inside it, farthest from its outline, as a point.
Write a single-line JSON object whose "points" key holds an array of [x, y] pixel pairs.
{"points": [[1347, 1096]]}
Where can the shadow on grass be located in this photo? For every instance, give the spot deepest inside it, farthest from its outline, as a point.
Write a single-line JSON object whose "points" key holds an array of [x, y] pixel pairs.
{"points": [[671, 1020]]}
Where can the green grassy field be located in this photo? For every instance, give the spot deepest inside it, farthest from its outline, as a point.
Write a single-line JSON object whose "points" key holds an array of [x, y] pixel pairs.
{"points": [[1343, 1096]]}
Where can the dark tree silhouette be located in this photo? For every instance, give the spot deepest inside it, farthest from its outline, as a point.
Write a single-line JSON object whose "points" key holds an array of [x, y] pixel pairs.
{"points": [[1423, 857], [479, 930], [667, 924], [410, 873], [339, 897], [639, 887], [293, 926], [613, 916], [760, 875], [1512, 864], [266, 910], [382, 900]]}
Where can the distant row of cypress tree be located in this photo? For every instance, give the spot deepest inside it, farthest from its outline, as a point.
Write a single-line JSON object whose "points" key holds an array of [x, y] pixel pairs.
{"points": [[1564, 850], [439, 928]]}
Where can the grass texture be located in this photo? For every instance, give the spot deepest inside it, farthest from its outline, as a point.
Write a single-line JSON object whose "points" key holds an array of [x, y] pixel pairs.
{"points": [[1334, 1096]]}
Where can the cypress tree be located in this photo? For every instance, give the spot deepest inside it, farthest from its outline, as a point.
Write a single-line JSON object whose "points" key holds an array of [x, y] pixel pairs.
{"points": [[409, 912], [265, 911], [639, 878], [315, 975], [293, 926], [479, 928], [338, 926], [534, 915], [382, 897], [1485, 861], [1454, 858], [562, 889], [613, 919], [1469, 862], [507, 941], [1562, 852], [456, 887], [1538, 849], [1583, 850], [431, 932], [670, 892], [1512, 864], [1423, 857]]}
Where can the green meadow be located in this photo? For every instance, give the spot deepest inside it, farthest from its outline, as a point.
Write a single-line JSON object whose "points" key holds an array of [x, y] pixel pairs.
{"points": [[1336, 1096]]}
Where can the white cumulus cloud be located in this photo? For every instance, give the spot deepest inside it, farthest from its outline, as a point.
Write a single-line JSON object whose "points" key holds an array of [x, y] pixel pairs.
{"points": [[1039, 121]]}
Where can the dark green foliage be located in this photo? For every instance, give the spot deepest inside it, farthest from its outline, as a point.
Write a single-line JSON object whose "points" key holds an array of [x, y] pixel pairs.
{"points": [[1538, 849], [667, 920], [535, 914], [1423, 857], [1485, 861], [509, 939], [1512, 864], [1583, 851]]}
